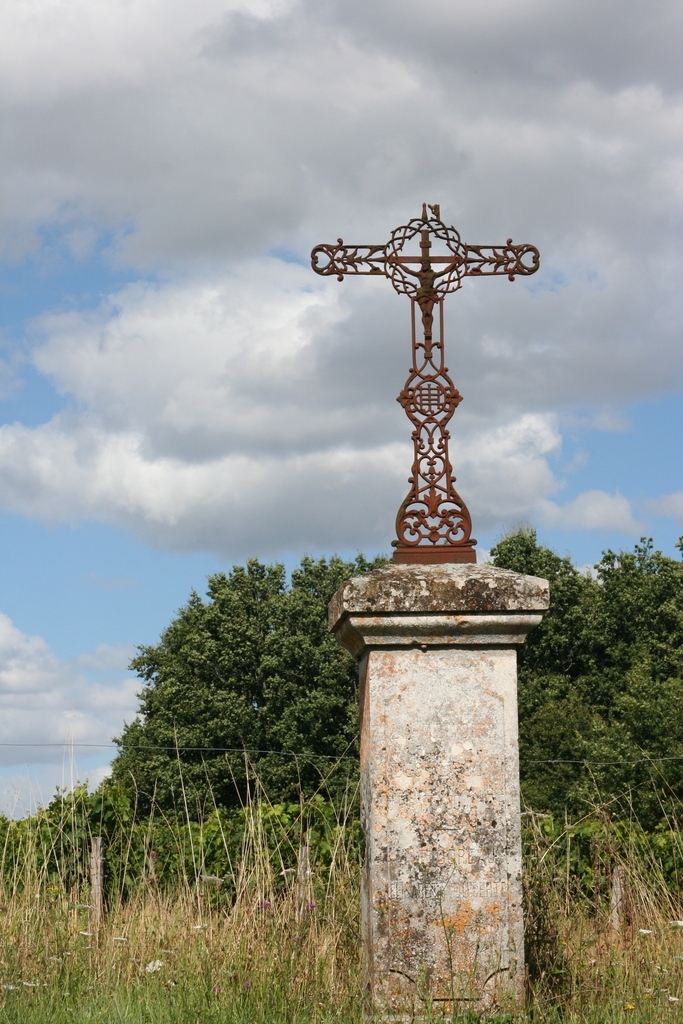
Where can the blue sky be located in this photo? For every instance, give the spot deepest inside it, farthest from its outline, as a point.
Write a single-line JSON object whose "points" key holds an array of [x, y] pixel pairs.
{"points": [[178, 392]]}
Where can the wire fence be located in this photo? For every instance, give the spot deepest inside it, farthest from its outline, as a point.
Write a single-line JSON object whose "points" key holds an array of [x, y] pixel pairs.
{"points": [[180, 748]]}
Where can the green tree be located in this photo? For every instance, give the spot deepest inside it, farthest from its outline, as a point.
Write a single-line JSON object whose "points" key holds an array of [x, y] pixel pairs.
{"points": [[255, 670], [600, 681]]}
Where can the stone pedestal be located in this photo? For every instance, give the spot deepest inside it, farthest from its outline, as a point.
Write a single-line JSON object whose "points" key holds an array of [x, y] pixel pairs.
{"points": [[442, 890]]}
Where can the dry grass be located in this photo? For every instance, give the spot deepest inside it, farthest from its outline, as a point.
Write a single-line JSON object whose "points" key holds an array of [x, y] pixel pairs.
{"points": [[604, 944], [261, 943], [268, 945], [170, 950]]}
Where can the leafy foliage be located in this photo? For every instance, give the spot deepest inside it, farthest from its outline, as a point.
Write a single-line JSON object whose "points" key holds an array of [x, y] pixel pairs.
{"points": [[255, 670], [53, 847], [54, 844], [600, 681]]}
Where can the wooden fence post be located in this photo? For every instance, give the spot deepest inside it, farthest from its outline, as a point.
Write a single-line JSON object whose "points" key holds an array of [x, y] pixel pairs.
{"points": [[303, 877], [616, 898], [97, 879]]}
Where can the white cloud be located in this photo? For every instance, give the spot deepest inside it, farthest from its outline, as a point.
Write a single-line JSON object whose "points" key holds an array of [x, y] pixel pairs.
{"points": [[220, 128], [337, 498], [52, 47], [105, 657], [25, 787], [45, 700], [506, 469], [197, 368], [209, 415], [670, 505], [51, 713], [240, 403], [593, 510]]}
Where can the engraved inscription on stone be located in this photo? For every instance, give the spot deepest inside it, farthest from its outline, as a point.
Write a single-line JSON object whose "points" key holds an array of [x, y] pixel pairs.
{"points": [[474, 890], [460, 890], [428, 891], [392, 892]]}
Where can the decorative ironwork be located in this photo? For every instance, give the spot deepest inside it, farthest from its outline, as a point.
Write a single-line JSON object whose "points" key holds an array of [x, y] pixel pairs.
{"points": [[433, 523]]}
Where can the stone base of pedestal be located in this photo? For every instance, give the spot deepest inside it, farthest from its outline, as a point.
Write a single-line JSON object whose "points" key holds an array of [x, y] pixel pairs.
{"points": [[442, 897]]}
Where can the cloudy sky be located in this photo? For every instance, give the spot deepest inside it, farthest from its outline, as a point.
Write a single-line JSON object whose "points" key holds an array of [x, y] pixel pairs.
{"points": [[179, 391]]}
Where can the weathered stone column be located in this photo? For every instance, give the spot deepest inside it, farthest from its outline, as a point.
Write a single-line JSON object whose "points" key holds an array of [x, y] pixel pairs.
{"points": [[442, 891]]}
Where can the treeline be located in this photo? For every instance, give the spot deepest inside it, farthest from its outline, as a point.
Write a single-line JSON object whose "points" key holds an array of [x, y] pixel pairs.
{"points": [[249, 684], [254, 668], [600, 685]]}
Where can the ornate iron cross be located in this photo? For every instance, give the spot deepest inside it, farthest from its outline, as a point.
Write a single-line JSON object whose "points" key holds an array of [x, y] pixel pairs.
{"points": [[433, 523]]}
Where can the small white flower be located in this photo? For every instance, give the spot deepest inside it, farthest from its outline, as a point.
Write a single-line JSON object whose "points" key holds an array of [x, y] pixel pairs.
{"points": [[87, 934], [197, 927], [676, 924], [645, 931], [154, 965], [12, 988], [30, 984], [673, 999]]}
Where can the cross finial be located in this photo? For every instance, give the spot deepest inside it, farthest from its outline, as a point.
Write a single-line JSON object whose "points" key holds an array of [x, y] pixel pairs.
{"points": [[434, 210], [433, 523]]}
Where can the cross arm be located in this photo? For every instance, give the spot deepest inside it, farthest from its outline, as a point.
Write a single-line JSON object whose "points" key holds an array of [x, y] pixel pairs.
{"points": [[465, 260], [509, 259], [483, 260], [338, 260]]}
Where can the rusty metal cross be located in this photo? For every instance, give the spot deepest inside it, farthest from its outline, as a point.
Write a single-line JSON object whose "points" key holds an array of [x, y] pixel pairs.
{"points": [[433, 523]]}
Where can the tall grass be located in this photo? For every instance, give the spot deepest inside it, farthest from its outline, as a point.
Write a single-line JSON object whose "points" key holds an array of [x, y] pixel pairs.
{"points": [[225, 926], [254, 917], [603, 928]]}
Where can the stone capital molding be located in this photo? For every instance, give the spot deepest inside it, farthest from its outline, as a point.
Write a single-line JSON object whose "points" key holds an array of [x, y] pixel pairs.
{"points": [[427, 605], [359, 632]]}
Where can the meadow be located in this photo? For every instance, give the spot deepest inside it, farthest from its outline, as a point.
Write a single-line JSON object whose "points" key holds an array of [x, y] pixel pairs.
{"points": [[253, 916]]}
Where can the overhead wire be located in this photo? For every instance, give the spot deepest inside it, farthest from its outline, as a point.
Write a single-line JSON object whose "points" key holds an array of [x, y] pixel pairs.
{"points": [[181, 747], [327, 757]]}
